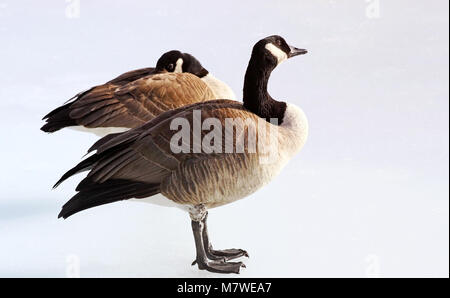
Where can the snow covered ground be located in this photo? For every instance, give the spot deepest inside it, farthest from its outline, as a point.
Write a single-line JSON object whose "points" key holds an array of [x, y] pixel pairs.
{"points": [[367, 196]]}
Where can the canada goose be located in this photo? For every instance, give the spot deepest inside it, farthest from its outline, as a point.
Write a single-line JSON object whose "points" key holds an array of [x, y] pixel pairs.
{"points": [[114, 107], [141, 162]]}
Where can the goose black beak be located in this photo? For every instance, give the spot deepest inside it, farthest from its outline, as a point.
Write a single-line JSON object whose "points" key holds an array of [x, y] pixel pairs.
{"points": [[296, 51], [201, 73]]}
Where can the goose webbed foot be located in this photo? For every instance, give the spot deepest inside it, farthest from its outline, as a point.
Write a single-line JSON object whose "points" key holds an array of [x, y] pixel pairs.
{"points": [[210, 259], [223, 255], [220, 266], [228, 254]]}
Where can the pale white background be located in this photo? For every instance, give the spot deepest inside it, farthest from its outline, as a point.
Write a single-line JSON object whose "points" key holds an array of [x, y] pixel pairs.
{"points": [[368, 195]]}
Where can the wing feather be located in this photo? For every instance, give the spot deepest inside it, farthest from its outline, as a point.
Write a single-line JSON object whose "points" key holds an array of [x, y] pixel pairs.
{"points": [[129, 100], [143, 155]]}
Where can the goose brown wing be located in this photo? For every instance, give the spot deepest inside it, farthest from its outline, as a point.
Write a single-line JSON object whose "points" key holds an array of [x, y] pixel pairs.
{"points": [[142, 158], [128, 101], [60, 117]]}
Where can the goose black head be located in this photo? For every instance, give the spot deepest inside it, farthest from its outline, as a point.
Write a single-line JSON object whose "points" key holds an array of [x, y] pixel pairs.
{"points": [[176, 61], [273, 50]]}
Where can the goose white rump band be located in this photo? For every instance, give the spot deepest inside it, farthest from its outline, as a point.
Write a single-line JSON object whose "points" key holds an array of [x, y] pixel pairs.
{"points": [[100, 131]]}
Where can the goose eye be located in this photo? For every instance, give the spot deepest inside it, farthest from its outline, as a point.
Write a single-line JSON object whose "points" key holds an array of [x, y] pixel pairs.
{"points": [[170, 67], [278, 42]]}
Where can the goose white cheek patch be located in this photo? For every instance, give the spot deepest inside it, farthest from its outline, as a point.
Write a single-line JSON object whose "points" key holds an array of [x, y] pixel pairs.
{"points": [[276, 52], [179, 65]]}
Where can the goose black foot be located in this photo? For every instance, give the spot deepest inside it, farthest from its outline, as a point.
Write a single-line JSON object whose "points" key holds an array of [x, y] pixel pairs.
{"points": [[210, 259], [229, 254], [223, 255], [220, 266]]}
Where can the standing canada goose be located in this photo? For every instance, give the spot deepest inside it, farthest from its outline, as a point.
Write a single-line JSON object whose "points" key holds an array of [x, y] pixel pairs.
{"points": [[115, 107], [146, 161]]}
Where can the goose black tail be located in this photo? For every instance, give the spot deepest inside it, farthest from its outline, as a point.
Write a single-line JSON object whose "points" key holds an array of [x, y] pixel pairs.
{"points": [[96, 194], [85, 165], [58, 119]]}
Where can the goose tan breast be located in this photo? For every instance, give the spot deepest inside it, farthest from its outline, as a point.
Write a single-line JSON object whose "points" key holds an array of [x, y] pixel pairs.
{"points": [[216, 181], [221, 178]]}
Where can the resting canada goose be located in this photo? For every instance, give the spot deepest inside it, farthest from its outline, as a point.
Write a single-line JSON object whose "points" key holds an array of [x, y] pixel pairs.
{"points": [[151, 159], [115, 107]]}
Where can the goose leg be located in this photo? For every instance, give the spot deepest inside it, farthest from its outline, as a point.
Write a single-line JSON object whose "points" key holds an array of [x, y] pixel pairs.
{"points": [[227, 254], [202, 260]]}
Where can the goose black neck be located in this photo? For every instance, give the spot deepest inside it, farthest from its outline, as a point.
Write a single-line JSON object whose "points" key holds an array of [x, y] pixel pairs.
{"points": [[256, 98]]}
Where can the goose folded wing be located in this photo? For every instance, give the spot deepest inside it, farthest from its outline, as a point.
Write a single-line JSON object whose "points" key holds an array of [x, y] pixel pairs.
{"points": [[134, 164], [130, 105], [60, 117]]}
